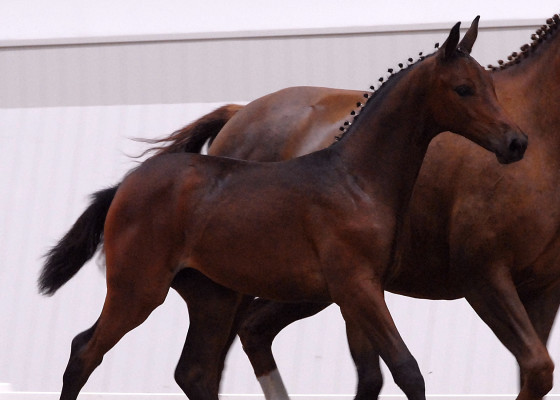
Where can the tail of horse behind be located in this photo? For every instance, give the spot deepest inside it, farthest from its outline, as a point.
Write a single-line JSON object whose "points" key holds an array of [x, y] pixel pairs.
{"points": [[81, 242], [191, 138]]}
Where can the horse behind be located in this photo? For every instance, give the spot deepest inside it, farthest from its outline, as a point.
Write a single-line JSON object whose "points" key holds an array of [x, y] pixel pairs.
{"points": [[319, 228]]}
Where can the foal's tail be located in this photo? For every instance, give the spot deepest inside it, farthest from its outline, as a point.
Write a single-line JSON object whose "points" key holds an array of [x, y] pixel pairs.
{"points": [[78, 245], [192, 137], [81, 242]]}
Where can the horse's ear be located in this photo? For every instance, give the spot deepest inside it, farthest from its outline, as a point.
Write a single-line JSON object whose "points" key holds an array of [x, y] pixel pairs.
{"points": [[447, 49], [470, 37]]}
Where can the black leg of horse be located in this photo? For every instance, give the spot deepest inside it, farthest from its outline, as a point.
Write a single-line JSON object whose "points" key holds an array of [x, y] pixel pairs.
{"points": [[127, 305], [240, 316], [366, 358], [542, 308], [212, 312], [499, 305], [77, 344], [264, 320], [362, 303]]}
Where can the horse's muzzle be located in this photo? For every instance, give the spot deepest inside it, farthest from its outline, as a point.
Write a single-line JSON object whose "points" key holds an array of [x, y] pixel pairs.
{"points": [[515, 149]]}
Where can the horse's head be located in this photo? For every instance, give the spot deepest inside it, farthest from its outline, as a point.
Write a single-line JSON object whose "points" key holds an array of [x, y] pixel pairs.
{"points": [[465, 102]]}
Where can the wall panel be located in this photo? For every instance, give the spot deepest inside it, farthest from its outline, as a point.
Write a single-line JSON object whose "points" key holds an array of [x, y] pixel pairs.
{"points": [[216, 70]]}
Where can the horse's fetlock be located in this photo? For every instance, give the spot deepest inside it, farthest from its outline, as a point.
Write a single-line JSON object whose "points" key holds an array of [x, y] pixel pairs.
{"points": [[369, 384], [539, 375], [408, 377]]}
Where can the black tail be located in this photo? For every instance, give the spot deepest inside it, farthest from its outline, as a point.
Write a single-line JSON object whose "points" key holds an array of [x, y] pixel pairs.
{"points": [[192, 137], [78, 245], [81, 242]]}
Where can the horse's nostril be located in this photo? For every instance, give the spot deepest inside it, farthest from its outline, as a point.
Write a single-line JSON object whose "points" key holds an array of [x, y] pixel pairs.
{"points": [[514, 145], [518, 145]]}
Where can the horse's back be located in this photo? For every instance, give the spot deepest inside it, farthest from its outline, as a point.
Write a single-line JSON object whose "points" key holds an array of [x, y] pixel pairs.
{"points": [[296, 121]]}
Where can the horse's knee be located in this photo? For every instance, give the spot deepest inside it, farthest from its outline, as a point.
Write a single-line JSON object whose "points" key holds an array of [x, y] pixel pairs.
{"points": [[257, 345], [251, 338], [538, 376]]}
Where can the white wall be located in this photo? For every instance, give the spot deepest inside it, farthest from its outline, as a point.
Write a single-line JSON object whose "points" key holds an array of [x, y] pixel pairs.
{"points": [[62, 21]]}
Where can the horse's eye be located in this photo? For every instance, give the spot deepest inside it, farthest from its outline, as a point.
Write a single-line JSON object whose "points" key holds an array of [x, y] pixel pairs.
{"points": [[464, 90]]}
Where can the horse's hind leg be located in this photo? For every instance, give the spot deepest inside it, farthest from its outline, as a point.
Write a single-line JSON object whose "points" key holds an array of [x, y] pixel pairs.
{"points": [[71, 383], [264, 320], [497, 302], [212, 314], [128, 303]]}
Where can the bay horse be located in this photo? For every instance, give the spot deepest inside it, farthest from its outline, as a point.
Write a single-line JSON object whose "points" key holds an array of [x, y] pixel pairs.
{"points": [[474, 215], [318, 228]]}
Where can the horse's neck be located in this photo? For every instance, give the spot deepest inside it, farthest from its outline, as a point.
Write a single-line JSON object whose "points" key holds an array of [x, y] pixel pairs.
{"points": [[387, 144], [530, 90]]}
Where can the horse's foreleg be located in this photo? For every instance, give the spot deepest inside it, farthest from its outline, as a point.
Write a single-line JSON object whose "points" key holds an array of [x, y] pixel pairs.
{"points": [[212, 313], [362, 304], [127, 305], [366, 358], [497, 302], [542, 307], [264, 320]]}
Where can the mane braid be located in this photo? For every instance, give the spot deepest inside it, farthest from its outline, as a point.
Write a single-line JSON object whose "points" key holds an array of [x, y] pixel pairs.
{"points": [[368, 95], [540, 36]]}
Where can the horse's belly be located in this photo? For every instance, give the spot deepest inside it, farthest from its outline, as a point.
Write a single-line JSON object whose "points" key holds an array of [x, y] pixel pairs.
{"points": [[261, 266], [425, 289], [273, 281], [429, 277]]}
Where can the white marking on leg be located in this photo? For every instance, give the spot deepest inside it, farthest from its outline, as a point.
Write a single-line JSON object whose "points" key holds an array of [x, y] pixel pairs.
{"points": [[273, 387]]}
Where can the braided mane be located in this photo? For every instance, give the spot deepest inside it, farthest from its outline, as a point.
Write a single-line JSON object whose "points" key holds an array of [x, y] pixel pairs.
{"points": [[541, 35], [374, 91]]}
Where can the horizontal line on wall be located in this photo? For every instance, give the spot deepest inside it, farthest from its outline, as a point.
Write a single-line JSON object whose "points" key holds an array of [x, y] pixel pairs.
{"points": [[192, 36], [173, 396]]}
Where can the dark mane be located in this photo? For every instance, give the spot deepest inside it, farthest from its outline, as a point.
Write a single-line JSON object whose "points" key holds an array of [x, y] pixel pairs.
{"points": [[541, 35], [383, 82]]}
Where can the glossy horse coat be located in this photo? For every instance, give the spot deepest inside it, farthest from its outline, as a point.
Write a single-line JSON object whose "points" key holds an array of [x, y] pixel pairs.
{"points": [[482, 218], [486, 233], [318, 228]]}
